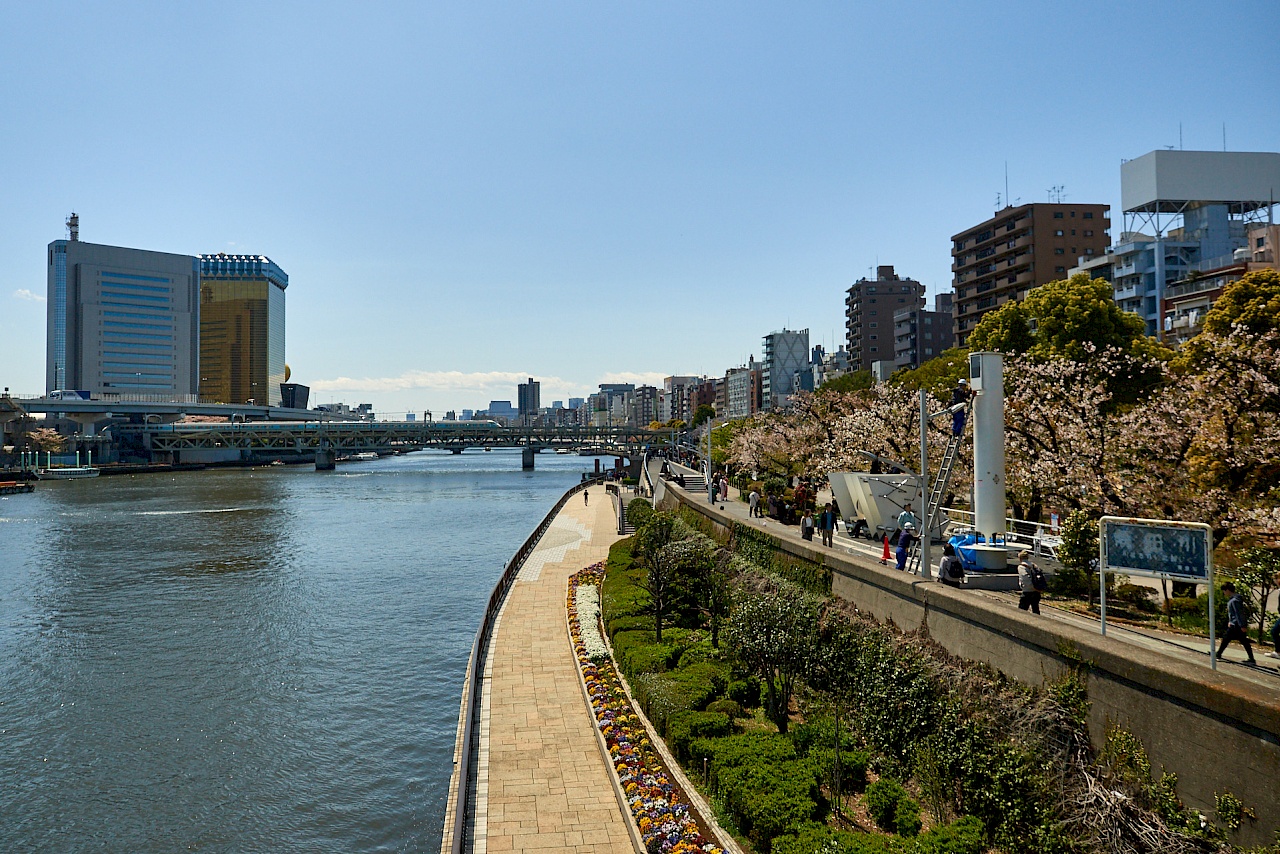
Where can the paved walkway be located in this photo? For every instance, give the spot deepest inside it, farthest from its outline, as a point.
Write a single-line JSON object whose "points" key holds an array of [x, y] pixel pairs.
{"points": [[1185, 647], [542, 784]]}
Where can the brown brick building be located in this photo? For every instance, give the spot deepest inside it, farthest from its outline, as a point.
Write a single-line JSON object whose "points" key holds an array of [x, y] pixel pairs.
{"points": [[1019, 248]]}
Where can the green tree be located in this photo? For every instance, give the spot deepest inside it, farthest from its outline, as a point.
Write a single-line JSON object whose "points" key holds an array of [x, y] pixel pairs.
{"points": [[1077, 553], [1252, 302], [771, 633], [937, 376], [1073, 319], [859, 380], [703, 413], [1057, 319]]}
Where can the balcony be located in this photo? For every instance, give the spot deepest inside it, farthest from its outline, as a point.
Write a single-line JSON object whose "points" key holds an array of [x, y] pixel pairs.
{"points": [[1129, 292]]}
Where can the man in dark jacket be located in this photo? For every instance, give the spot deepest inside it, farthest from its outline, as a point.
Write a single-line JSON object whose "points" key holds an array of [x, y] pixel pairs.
{"points": [[1235, 623]]}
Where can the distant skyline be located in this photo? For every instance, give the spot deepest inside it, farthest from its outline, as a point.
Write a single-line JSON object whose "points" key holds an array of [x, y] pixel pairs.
{"points": [[468, 195]]}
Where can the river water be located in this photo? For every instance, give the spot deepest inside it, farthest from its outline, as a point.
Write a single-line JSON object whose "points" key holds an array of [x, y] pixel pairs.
{"points": [[248, 660]]}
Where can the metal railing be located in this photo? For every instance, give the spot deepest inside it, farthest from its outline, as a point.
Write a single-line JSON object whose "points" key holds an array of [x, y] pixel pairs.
{"points": [[1041, 539], [475, 666]]}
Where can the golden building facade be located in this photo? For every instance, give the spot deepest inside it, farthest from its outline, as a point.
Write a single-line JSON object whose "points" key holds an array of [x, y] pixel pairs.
{"points": [[242, 329]]}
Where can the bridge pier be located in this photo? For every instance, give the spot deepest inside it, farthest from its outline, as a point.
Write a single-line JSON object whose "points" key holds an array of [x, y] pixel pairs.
{"points": [[526, 457], [325, 459]]}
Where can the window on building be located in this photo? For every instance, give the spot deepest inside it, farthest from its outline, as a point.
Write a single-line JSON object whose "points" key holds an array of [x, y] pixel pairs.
{"points": [[1260, 242], [872, 324], [1073, 232], [1057, 214], [872, 337], [1088, 214], [1088, 232], [1059, 269], [1088, 250], [1073, 214], [1058, 233], [1059, 251]]}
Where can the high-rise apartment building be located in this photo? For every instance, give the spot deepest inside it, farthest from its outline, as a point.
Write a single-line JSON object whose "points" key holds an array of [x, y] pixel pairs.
{"points": [[869, 309], [242, 329], [743, 389], [1020, 248], [785, 352], [121, 321], [528, 401], [920, 335]]}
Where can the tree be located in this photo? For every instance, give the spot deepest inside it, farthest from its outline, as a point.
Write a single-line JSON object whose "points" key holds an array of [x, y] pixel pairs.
{"points": [[1252, 303], [47, 439], [661, 581], [1071, 319], [771, 633], [937, 376], [859, 380], [703, 413]]}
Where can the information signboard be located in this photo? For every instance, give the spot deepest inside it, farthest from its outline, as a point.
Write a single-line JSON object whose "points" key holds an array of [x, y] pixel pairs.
{"points": [[1160, 548], [1156, 547]]}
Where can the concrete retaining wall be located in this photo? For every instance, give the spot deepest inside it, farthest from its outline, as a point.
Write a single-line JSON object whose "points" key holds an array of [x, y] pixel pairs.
{"points": [[1217, 732]]}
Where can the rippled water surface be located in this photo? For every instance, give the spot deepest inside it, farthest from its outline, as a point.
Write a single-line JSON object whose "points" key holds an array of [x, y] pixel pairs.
{"points": [[248, 660]]}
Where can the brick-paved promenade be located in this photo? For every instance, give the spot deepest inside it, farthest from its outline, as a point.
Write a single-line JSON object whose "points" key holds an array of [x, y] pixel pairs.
{"points": [[542, 784]]}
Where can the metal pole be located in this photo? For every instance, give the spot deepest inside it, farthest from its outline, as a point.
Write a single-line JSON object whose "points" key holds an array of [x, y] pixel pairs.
{"points": [[1102, 574], [926, 536], [1213, 653], [710, 426]]}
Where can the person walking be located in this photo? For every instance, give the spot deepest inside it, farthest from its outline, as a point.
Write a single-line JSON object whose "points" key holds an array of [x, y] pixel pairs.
{"points": [[724, 488], [1031, 582], [1236, 627], [827, 524], [1275, 639], [585, 495], [904, 544], [713, 490], [753, 504], [806, 526]]}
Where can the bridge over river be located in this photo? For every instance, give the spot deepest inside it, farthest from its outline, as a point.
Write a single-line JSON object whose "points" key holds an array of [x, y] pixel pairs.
{"points": [[185, 442]]}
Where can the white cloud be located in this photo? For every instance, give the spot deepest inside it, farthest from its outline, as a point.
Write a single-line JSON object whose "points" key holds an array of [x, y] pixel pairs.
{"points": [[445, 381], [29, 296]]}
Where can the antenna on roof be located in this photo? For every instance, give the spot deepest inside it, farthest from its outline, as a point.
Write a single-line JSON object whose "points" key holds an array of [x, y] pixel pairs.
{"points": [[73, 226]]}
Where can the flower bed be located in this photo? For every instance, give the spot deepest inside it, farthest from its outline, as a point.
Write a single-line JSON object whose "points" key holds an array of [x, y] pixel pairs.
{"points": [[658, 807], [587, 600]]}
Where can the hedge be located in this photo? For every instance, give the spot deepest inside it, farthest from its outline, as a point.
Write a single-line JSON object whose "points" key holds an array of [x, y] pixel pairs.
{"points": [[684, 727]]}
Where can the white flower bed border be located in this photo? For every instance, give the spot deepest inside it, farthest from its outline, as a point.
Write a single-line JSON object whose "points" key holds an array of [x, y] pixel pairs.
{"points": [[587, 602]]}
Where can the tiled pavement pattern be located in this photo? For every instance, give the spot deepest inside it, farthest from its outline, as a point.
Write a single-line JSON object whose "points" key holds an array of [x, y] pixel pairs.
{"points": [[543, 785]]}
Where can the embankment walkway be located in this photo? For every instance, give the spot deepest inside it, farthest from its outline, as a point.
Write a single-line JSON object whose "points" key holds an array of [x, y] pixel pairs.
{"points": [[541, 783]]}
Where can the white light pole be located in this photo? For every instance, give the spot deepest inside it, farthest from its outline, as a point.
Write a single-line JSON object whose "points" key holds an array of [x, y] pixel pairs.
{"points": [[926, 571]]}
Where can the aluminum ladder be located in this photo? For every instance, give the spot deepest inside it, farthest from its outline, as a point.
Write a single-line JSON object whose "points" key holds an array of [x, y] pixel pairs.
{"points": [[934, 505]]}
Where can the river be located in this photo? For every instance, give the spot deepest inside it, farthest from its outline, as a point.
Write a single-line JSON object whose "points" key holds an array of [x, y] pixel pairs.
{"points": [[248, 660]]}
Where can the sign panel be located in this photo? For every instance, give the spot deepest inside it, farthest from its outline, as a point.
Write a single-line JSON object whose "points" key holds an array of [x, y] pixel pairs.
{"points": [[1156, 547]]}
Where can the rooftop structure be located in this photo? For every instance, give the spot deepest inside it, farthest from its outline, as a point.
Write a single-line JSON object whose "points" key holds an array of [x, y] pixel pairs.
{"points": [[1186, 212]]}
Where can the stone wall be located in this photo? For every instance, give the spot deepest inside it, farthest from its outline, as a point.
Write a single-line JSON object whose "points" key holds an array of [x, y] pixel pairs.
{"points": [[1217, 732]]}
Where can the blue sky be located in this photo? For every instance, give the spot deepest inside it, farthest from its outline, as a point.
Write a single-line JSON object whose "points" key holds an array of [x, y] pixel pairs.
{"points": [[468, 194]]}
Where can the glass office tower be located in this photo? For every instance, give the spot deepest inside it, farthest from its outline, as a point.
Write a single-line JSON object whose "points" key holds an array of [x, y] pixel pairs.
{"points": [[241, 329]]}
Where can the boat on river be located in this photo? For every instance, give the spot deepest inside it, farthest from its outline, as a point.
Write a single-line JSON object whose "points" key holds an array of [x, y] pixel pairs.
{"points": [[364, 456], [68, 472], [13, 487]]}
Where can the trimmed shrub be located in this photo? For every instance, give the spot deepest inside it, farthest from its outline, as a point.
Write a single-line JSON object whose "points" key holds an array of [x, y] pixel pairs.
{"points": [[906, 818], [637, 652], [726, 707], [662, 695], [628, 623], [734, 750], [745, 692], [638, 511], [684, 727], [882, 799], [768, 799], [853, 767], [964, 836]]}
